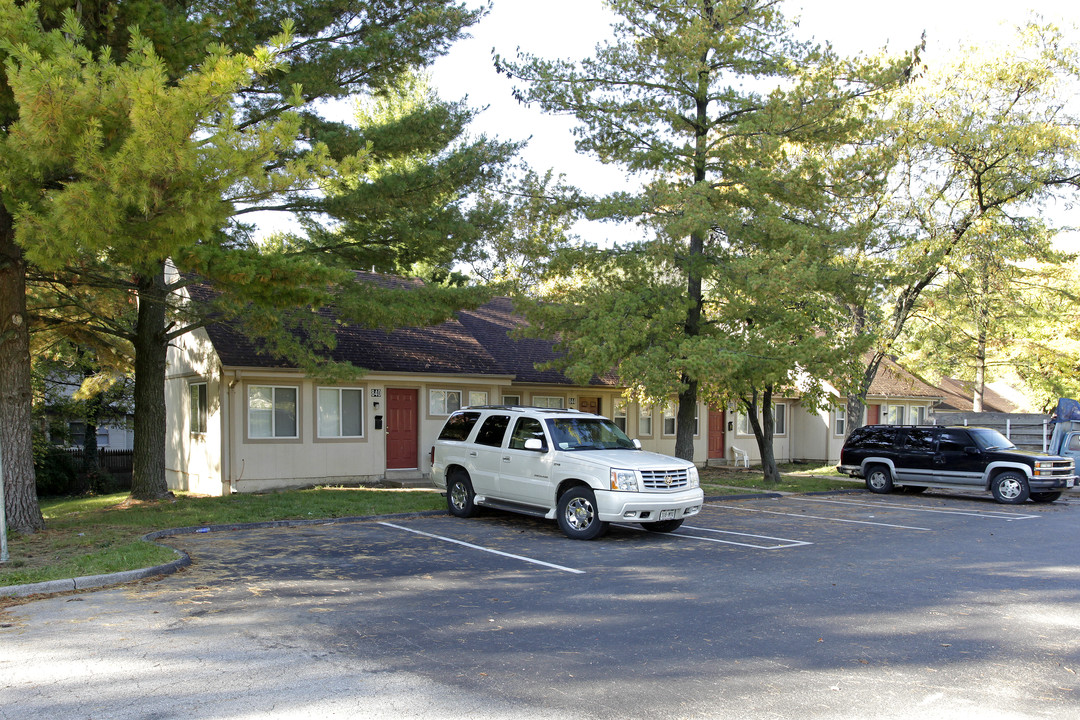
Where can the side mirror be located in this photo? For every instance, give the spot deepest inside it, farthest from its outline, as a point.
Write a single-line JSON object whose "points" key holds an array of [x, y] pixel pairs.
{"points": [[637, 443], [534, 444], [971, 450]]}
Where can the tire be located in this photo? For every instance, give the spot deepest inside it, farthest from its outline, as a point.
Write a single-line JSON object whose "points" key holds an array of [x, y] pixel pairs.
{"points": [[1045, 497], [577, 514], [1010, 488], [879, 479], [459, 495], [664, 526]]}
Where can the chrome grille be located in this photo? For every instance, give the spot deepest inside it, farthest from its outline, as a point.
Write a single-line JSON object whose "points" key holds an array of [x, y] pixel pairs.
{"points": [[665, 479]]}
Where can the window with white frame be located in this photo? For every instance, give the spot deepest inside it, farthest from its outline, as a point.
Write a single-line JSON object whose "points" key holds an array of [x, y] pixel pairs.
{"points": [[341, 412], [895, 415], [477, 398], [918, 414], [199, 408], [619, 415], [742, 424], [669, 418], [780, 419], [548, 401], [840, 421], [645, 414], [272, 411], [444, 402]]}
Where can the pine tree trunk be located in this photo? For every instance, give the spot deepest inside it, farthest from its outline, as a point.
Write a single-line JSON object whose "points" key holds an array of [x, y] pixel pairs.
{"points": [[16, 441], [151, 347], [684, 421]]}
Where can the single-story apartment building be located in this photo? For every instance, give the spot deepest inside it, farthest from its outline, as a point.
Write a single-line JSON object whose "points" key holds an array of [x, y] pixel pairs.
{"points": [[240, 420]]}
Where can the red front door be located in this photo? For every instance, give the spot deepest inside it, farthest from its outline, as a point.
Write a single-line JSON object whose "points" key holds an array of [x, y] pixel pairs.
{"points": [[402, 450], [716, 433]]}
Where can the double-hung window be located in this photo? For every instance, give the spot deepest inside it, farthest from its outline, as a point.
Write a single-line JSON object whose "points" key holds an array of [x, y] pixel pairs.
{"points": [[645, 413], [272, 412], [669, 418], [341, 412], [199, 408]]}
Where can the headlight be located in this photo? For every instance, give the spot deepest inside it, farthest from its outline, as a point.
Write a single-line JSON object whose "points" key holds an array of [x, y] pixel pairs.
{"points": [[694, 480], [624, 480]]}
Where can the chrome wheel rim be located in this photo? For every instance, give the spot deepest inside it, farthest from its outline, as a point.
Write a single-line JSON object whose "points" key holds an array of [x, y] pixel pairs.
{"points": [[1009, 488], [877, 480], [459, 495], [579, 513]]}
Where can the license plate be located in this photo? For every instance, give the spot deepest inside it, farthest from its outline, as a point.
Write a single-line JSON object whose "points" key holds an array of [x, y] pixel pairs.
{"points": [[668, 514]]}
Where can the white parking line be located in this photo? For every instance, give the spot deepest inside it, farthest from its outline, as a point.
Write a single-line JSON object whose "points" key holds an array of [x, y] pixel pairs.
{"points": [[989, 514], [812, 517], [488, 550], [785, 542]]}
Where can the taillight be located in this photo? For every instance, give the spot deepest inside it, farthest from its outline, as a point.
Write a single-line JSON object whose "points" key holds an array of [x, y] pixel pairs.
{"points": [[432, 455]]}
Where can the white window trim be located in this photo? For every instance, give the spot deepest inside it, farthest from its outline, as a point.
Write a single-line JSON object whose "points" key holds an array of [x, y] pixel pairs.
{"points": [[536, 399], [670, 411], [318, 412], [445, 411], [839, 421], [742, 422], [484, 401], [273, 415], [203, 411], [646, 412]]}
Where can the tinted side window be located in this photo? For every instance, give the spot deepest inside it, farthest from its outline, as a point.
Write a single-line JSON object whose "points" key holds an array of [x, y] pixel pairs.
{"points": [[527, 429], [954, 441], [492, 431], [874, 437], [921, 439], [459, 425]]}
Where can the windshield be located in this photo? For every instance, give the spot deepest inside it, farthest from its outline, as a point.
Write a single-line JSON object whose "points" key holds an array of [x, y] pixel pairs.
{"points": [[988, 439], [588, 434]]}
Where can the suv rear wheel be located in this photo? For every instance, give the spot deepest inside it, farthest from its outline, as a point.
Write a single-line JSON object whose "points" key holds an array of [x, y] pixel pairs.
{"points": [[1010, 488], [878, 479], [459, 495], [577, 514], [1045, 497]]}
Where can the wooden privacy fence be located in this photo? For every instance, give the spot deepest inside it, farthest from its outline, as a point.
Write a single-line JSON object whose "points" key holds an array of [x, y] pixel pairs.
{"points": [[111, 460], [1027, 431]]}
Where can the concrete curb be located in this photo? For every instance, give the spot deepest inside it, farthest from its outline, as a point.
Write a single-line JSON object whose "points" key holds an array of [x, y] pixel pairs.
{"points": [[86, 582]]}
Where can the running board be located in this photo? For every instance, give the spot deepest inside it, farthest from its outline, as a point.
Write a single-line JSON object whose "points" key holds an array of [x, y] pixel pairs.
{"points": [[531, 510]]}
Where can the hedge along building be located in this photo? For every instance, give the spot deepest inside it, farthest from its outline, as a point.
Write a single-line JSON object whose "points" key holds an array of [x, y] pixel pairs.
{"points": [[240, 420]]}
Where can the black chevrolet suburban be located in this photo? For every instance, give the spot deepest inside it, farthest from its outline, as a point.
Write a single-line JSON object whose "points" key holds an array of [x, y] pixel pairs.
{"points": [[917, 457]]}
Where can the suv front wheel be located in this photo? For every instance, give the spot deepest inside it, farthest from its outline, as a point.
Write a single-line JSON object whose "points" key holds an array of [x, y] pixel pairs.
{"points": [[577, 514], [1010, 488], [878, 479]]}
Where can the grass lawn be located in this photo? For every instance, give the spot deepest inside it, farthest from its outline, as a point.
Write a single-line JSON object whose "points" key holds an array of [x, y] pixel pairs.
{"points": [[795, 478], [102, 534]]}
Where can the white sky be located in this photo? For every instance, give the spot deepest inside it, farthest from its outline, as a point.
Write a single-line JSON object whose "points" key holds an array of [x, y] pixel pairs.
{"points": [[571, 29]]}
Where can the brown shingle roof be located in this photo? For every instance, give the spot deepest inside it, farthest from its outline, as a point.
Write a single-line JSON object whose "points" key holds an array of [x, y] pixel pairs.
{"points": [[959, 395], [476, 342], [894, 381]]}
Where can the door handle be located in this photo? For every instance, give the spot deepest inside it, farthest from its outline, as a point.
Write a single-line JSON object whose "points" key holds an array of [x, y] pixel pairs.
{"points": [[506, 458], [472, 453]]}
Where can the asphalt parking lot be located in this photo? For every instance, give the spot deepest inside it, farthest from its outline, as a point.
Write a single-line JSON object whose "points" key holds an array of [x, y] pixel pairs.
{"points": [[825, 606]]}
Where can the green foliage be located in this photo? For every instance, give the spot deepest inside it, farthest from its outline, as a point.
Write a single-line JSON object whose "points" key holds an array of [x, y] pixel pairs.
{"points": [[749, 145]]}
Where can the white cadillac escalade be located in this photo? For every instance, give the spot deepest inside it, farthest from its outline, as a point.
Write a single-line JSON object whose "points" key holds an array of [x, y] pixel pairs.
{"points": [[577, 468]]}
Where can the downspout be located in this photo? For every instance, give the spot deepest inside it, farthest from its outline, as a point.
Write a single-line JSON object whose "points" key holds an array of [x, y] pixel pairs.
{"points": [[230, 454]]}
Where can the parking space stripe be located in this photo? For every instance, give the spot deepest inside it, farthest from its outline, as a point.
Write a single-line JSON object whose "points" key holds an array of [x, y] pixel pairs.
{"points": [[989, 514], [786, 543], [813, 517], [484, 549]]}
